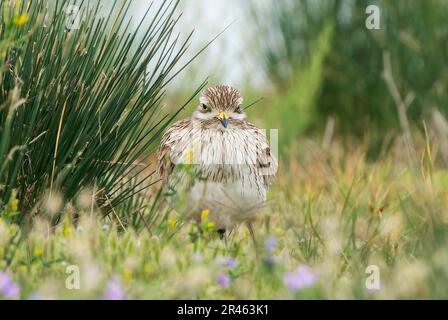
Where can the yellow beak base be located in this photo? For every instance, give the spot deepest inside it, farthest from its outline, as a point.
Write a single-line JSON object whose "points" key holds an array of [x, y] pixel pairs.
{"points": [[224, 118]]}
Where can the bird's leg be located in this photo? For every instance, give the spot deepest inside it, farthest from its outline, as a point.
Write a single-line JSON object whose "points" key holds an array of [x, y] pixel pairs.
{"points": [[222, 233]]}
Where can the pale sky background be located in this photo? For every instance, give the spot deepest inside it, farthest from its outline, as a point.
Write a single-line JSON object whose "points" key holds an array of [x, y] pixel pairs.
{"points": [[229, 59]]}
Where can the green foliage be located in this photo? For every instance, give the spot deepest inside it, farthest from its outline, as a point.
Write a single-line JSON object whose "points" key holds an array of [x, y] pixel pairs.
{"points": [[80, 106], [352, 89], [294, 109]]}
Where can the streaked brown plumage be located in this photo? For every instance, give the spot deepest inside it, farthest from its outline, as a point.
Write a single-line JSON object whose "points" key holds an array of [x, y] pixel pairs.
{"points": [[231, 153]]}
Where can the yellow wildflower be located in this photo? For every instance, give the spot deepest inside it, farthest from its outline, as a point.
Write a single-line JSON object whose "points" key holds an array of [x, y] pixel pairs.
{"points": [[210, 225], [20, 20], [67, 231], [171, 223], [38, 252], [15, 205], [204, 215], [127, 275]]}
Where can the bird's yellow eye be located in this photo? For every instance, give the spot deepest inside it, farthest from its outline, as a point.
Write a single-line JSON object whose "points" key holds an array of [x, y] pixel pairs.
{"points": [[204, 107]]}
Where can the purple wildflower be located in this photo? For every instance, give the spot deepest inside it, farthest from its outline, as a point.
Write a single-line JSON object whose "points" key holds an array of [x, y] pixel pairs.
{"points": [[228, 262], [223, 280], [8, 288], [114, 290], [270, 244], [299, 279], [231, 262]]}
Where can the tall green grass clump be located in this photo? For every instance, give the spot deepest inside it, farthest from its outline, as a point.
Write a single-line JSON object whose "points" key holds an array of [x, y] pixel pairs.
{"points": [[80, 95]]}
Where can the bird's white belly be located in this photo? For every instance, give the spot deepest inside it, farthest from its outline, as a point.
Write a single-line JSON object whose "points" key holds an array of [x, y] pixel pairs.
{"points": [[228, 203], [234, 188]]}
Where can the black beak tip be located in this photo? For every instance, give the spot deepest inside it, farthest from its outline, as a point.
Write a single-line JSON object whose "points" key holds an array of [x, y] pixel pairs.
{"points": [[225, 122]]}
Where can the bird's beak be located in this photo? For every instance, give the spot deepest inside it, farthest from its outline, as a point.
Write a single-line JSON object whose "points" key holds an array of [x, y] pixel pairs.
{"points": [[224, 118]]}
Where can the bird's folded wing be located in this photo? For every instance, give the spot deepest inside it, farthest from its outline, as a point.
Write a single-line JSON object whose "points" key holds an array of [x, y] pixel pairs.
{"points": [[266, 161], [170, 141]]}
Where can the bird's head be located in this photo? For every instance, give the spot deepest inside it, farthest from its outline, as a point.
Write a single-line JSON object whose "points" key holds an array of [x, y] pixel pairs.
{"points": [[221, 104]]}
